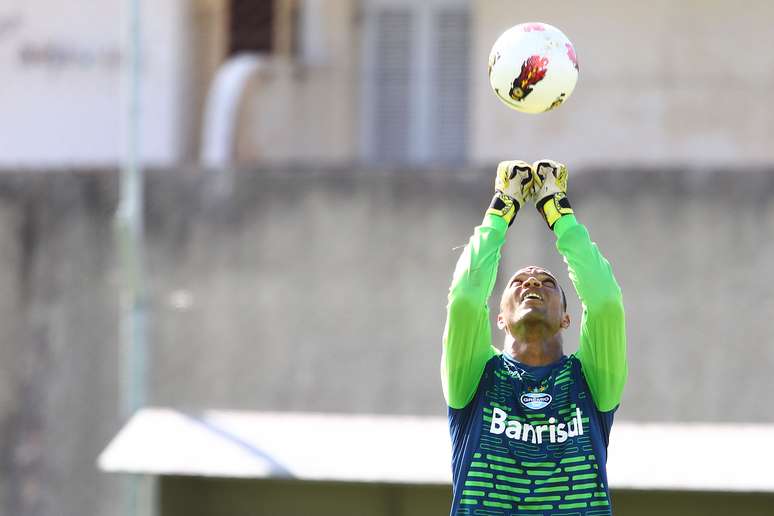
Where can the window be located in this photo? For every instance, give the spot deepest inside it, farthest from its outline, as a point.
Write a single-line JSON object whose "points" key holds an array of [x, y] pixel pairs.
{"points": [[251, 26], [416, 74]]}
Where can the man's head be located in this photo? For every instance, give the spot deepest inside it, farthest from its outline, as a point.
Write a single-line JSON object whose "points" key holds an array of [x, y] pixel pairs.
{"points": [[533, 304]]}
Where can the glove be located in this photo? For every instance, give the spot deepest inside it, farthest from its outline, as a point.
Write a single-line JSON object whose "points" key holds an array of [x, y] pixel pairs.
{"points": [[514, 186], [551, 190]]}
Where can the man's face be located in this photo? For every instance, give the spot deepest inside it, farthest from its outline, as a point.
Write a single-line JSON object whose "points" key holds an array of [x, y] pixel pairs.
{"points": [[532, 297]]}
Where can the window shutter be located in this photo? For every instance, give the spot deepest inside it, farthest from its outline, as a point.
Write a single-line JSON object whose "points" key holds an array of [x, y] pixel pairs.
{"points": [[391, 83], [416, 94], [450, 85]]}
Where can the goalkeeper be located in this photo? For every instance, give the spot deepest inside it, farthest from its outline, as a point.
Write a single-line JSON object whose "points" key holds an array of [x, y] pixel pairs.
{"points": [[530, 425]]}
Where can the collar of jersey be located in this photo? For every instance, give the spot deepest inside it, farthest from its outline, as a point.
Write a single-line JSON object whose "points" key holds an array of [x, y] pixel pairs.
{"points": [[536, 372]]}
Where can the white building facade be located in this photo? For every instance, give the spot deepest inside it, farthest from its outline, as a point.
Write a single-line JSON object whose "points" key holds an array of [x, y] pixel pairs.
{"points": [[390, 82]]}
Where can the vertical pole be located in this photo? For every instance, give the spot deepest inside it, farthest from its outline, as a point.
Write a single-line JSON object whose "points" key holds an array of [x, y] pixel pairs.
{"points": [[130, 232], [129, 227]]}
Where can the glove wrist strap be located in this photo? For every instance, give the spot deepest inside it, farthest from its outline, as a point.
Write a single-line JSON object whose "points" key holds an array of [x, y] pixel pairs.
{"points": [[553, 207], [505, 206]]}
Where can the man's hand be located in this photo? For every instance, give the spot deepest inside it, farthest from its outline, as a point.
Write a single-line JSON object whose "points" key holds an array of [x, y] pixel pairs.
{"points": [[514, 186], [551, 190]]}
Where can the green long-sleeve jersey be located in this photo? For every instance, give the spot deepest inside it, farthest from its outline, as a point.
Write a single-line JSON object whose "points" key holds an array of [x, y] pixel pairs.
{"points": [[497, 414]]}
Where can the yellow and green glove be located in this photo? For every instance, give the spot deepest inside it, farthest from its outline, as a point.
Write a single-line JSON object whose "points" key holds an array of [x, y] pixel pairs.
{"points": [[514, 186], [551, 190]]}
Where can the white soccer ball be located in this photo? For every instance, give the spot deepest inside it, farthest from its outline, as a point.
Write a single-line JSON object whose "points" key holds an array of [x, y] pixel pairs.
{"points": [[533, 67]]}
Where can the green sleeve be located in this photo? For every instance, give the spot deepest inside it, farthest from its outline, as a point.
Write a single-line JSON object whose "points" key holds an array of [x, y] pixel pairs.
{"points": [[467, 337], [602, 349]]}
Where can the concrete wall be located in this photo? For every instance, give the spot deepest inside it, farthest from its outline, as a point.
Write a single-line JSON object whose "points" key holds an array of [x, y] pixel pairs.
{"points": [[298, 275], [325, 290], [58, 358], [202, 497]]}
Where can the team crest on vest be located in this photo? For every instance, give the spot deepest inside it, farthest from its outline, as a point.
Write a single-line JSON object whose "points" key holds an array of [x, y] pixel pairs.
{"points": [[535, 400]]}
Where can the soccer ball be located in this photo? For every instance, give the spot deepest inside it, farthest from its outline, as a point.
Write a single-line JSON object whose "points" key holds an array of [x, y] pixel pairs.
{"points": [[533, 67]]}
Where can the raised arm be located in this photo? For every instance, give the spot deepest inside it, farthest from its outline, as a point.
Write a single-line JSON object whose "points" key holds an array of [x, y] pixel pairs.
{"points": [[467, 336], [602, 350]]}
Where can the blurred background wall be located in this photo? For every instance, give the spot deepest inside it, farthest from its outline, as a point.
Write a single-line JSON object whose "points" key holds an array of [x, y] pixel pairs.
{"points": [[393, 81], [325, 289], [664, 83], [309, 271]]}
